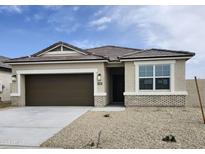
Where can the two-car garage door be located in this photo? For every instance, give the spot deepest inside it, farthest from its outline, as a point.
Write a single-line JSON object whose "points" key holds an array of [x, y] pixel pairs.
{"points": [[59, 90]]}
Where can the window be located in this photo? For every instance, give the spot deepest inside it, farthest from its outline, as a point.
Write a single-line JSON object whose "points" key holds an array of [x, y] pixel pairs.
{"points": [[162, 75], [154, 77], [146, 77]]}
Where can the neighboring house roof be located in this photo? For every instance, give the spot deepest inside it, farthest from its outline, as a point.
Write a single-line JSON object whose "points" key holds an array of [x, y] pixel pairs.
{"points": [[111, 53], [4, 65]]}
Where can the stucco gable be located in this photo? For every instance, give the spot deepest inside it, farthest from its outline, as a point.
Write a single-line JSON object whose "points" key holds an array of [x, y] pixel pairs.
{"points": [[60, 49]]}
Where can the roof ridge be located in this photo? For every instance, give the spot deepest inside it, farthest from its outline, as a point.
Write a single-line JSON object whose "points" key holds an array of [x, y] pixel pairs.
{"points": [[97, 47], [131, 53], [115, 46], [89, 53]]}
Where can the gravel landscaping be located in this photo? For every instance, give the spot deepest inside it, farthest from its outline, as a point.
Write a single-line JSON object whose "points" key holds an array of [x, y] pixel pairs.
{"points": [[136, 127]]}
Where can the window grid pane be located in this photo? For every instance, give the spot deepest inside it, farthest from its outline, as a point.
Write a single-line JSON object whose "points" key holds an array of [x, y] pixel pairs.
{"points": [[162, 83], [146, 83], [146, 70], [162, 70]]}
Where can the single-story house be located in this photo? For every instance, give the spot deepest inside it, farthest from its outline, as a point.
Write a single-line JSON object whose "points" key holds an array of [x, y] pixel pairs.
{"points": [[65, 75], [5, 80]]}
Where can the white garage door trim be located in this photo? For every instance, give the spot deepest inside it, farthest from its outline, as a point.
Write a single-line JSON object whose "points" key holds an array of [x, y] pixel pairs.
{"points": [[57, 71]]}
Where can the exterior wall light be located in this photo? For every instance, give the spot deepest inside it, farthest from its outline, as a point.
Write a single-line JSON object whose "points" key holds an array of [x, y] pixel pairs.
{"points": [[99, 77], [13, 78]]}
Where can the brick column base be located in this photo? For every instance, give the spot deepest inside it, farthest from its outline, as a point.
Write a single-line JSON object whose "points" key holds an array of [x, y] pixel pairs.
{"points": [[100, 101]]}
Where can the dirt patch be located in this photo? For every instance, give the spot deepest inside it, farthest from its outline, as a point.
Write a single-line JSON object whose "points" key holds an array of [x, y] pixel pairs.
{"points": [[4, 105], [133, 128]]}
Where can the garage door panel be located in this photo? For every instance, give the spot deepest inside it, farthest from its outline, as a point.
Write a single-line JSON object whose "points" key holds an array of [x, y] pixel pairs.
{"points": [[59, 90]]}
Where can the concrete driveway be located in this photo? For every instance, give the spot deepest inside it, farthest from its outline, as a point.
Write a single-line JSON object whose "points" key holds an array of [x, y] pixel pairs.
{"points": [[30, 126]]}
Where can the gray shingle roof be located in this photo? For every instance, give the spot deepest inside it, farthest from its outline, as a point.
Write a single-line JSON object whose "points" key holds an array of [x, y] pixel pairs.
{"points": [[111, 53], [157, 53], [2, 64]]}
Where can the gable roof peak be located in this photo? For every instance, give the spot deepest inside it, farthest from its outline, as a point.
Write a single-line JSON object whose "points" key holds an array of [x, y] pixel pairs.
{"points": [[77, 49]]}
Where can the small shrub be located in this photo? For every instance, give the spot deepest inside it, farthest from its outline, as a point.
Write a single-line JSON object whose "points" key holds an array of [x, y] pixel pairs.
{"points": [[107, 115], [169, 138]]}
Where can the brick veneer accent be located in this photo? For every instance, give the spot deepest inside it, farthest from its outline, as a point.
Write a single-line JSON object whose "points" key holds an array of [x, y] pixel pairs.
{"points": [[100, 100], [155, 100]]}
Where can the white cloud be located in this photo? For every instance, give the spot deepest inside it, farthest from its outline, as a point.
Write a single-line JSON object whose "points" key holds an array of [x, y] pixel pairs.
{"points": [[11, 9], [63, 21], [66, 28], [102, 27], [101, 11], [85, 44], [171, 27], [101, 23]]}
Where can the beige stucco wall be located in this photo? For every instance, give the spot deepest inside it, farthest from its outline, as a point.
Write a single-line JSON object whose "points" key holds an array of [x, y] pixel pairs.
{"points": [[179, 71], [5, 78], [129, 77], [107, 82], [180, 84], [192, 99], [20, 100]]}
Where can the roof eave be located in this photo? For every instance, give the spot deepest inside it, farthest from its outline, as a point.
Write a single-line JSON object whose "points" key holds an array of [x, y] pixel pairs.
{"points": [[56, 61]]}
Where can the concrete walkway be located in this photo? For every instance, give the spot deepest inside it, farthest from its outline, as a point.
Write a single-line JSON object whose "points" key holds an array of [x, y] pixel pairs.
{"points": [[31, 126], [108, 109]]}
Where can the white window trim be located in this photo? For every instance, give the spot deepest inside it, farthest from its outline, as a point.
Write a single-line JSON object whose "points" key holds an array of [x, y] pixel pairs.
{"points": [[57, 71], [150, 92]]}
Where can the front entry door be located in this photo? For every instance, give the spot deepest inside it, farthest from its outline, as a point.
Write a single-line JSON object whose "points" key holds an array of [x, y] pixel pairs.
{"points": [[118, 89]]}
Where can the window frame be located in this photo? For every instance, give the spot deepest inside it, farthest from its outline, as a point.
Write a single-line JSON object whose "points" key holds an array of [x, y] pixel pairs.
{"points": [[154, 63], [147, 77]]}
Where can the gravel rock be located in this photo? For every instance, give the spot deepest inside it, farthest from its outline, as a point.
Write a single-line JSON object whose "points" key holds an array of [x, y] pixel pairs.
{"points": [[136, 127]]}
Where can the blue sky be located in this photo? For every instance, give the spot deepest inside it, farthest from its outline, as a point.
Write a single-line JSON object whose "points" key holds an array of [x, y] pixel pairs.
{"points": [[28, 29]]}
